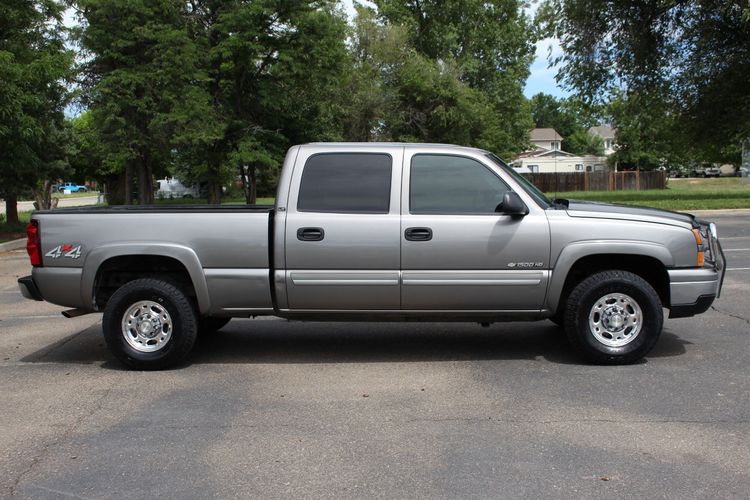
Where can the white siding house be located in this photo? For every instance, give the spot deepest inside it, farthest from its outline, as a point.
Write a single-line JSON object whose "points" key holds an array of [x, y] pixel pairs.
{"points": [[548, 157], [607, 133]]}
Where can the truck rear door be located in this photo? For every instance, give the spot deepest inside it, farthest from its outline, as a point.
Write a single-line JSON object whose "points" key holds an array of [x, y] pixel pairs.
{"points": [[342, 231]]}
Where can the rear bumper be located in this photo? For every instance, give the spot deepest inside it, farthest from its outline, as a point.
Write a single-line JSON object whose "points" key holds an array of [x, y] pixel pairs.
{"points": [[29, 289]]}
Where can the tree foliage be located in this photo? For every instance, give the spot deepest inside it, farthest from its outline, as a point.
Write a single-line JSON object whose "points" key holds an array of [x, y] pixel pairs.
{"points": [[34, 66], [570, 119], [460, 71], [691, 57]]}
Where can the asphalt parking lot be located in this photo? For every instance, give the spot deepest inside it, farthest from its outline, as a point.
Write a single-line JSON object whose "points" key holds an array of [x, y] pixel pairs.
{"points": [[268, 408]]}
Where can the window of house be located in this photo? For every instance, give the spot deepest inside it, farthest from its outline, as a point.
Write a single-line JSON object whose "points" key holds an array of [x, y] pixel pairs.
{"points": [[346, 183], [589, 168], [534, 169], [579, 167], [444, 184], [555, 145]]}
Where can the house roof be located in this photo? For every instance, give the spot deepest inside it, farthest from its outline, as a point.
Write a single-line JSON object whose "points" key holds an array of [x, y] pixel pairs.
{"points": [[603, 131], [544, 134], [543, 152]]}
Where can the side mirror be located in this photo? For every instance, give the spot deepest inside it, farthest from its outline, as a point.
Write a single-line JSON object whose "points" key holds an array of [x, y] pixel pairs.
{"points": [[512, 205]]}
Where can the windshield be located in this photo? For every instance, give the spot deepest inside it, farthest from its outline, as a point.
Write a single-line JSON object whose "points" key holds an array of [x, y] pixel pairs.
{"points": [[530, 188]]}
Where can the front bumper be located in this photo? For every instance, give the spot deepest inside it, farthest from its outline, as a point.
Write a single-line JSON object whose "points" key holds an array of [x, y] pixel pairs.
{"points": [[29, 289], [692, 291]]}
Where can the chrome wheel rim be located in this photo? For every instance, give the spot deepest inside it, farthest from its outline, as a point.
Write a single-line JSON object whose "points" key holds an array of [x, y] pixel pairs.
{"points": [[147, 326], [615, 320]]}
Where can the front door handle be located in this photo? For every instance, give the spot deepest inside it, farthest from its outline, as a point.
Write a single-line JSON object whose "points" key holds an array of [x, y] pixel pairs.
{"points": [[418, 234], [310, 234]]}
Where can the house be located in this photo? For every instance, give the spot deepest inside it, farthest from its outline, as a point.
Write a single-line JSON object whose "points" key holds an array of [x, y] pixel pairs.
{"points": [[546, 138], [607, 133], [548, 157]]}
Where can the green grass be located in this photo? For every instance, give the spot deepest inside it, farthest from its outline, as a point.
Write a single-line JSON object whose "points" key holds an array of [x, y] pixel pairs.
{"points": [[75, 195], [682, 194]]}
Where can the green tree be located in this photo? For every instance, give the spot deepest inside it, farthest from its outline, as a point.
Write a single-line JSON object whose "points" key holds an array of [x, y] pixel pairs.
{"points": [[140, 68], [33, 67], [693, 58], [571, 120], [273, 72], [470, 57], [647, 133]]}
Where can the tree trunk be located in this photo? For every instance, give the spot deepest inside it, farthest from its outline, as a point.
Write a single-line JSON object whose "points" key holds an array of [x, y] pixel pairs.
{"points": [[245, 184], [214, 192], [11, 210], [253, 186], [145, 184], [214, 186], [43, 196], [115, 189], [128, 198]]}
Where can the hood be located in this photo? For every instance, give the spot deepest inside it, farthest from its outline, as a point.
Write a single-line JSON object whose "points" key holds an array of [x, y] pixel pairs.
{"points": [[579, 208]]}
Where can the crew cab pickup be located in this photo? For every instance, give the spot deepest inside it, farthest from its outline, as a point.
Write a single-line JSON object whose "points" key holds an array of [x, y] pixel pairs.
{"points": [[372, 232]]}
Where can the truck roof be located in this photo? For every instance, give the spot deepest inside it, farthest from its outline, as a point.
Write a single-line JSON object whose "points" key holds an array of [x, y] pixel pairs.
{"points": [[410, 145]]}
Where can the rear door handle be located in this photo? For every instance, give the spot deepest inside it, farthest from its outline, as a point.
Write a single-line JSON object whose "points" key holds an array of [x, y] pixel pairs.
{"points": [[418, 234], [310, 234]]}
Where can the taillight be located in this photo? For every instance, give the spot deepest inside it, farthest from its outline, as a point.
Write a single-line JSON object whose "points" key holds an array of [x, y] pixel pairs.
{"points": [[33, 244]]}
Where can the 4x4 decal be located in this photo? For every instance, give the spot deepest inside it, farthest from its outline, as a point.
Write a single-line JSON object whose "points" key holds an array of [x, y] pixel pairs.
{"points": [[71, 251]]}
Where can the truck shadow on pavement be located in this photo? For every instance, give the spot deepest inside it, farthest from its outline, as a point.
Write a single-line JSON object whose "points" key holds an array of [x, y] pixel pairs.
{"points": [[279, 341]]}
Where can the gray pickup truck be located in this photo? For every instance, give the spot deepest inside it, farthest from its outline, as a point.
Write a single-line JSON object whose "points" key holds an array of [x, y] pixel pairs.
{"points": [[378, 232]]}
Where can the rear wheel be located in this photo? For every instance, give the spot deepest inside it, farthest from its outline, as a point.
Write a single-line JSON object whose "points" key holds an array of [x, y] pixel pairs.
{"points": [[613, 317], [149, 324]]}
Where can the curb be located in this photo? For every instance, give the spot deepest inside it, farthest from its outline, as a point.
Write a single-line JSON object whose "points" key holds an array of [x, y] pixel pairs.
{"points": [[720, 211], [12, 245]]}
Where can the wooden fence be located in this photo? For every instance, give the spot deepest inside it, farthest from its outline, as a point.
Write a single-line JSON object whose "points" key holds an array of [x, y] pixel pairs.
{"points": [[598, 181]]}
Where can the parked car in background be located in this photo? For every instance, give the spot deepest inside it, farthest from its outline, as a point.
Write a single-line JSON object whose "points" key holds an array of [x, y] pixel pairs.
{"points": [[712, 171], [72, 187], [173, 188]]}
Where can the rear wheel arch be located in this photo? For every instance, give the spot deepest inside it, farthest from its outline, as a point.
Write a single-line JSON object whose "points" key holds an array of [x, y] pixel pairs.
{"points": [[107, 274]]}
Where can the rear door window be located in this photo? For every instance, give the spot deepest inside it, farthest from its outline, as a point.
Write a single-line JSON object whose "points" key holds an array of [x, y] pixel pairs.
{"points": [[346, 183]]}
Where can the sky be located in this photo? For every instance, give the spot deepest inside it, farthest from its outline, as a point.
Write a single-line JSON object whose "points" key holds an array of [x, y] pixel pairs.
{"points": [[541, 79]]}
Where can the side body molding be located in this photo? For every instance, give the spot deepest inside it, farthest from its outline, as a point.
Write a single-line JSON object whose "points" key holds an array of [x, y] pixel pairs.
{"points": [[186, 256], [572, 252]]}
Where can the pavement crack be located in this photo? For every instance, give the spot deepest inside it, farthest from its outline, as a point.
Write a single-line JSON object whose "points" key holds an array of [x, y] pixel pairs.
{"points": [[735, 316], [48, 446]]}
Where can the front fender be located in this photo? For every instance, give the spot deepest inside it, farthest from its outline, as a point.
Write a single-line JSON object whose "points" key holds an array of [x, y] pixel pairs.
{"points": [[573, 252], [186, 256]]}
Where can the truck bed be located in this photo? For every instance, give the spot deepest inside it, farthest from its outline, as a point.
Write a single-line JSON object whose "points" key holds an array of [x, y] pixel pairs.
{"points": [[227, 247]]}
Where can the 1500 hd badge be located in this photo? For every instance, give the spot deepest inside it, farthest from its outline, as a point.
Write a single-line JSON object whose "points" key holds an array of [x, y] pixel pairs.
{"points": [[67, 250], [526, 264]]}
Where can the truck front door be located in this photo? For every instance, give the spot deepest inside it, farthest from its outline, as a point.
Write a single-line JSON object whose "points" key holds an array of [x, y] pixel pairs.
{"points": [[457, 252], [342, 230]]}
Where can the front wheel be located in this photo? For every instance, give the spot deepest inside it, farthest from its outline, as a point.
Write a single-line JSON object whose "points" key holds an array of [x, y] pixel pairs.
{"points": [[613, 317], [149, 324]]}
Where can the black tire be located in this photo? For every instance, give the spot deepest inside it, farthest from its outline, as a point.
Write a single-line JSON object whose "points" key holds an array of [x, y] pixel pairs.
{"points": [[559, 319], [179, 332], [591, 290], [210, 324]]}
